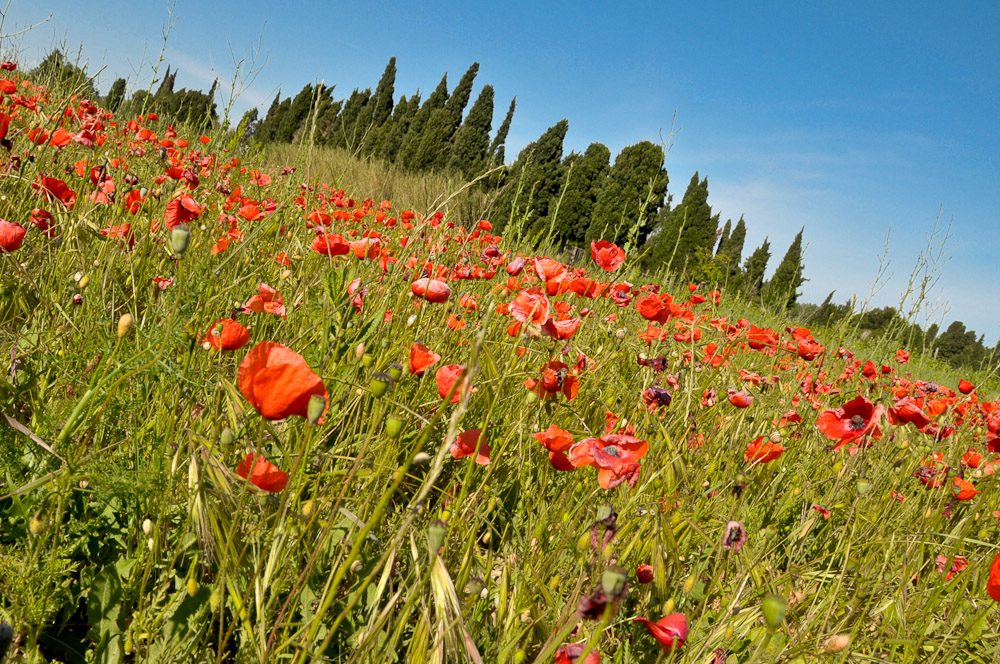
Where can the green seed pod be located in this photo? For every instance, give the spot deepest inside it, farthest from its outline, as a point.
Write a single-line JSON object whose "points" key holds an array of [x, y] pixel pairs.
{"points": [[774, 609], [180, 238], [395, 371], [614, 581], [215, 600], [227, 438], [366, 359], [531, 398], [435, 535], [393, 427], [314, 411], [380, 384], [520, 656]]}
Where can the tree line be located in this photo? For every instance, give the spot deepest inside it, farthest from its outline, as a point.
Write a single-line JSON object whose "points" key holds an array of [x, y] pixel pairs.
{"points": [[570, 199]]}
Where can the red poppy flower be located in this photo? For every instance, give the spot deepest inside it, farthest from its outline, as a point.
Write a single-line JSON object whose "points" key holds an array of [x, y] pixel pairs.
{"points": [[965, 386], [670, 632], [330, 245], [762, 450], [267, 300], [431, 290], [909, 409], [530, 306], [993, 582], [902, 356], [277, 382], [856, 418], [958, 564], [11, 236], [570, 654], [227, 334], [560, 329], [556, 378], [421, 357], [446, 377], [557, 442], [644, 573], [262, 473], [608, 256], [740, 398], [963, 489], [615, 456], [471, 443], [181, 210]]}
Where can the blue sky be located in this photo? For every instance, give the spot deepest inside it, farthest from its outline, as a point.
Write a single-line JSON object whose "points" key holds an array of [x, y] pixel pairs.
{"points": [[852, 120]]}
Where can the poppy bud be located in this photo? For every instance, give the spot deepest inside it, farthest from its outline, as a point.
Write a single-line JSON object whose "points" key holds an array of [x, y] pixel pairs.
{"points": [[380, 384], [614, 581], [215, 600], [421, 459], [837, 643], [180, 237], [192, 586], [314, 411], [147, 527], [774, 609], [227, 438], [84, 280], [435, 535], [124, 324], [359, 351], [863, 486], [395, 371]]}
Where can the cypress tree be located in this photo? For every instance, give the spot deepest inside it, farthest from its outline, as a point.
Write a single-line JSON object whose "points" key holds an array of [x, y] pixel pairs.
{"points": [[390, 137], [435, 144], [631, 195], [497, 147], [783, 288], [293, 118], [754, 268], [326, 121], [268, 126], [410, 148], [166, 88], [116, 95], [472, 140], [382, 100], [585, 176], [725, 236], [354, 120], [731, 250], [690, 228], [535, 178]]}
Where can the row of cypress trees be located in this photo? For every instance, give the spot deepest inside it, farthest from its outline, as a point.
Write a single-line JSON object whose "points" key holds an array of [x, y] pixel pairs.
{"points": [[574, 199]]}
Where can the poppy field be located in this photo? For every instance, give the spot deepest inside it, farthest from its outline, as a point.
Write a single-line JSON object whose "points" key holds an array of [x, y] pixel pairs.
{"points": [[249, 416]]}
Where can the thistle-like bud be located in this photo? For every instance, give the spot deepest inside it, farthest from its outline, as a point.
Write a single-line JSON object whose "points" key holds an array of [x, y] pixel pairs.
{"points": [[192, 586], [180, 238]]}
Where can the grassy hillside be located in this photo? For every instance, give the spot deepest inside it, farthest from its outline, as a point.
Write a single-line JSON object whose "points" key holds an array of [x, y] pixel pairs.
{"points": [[254, 413]]}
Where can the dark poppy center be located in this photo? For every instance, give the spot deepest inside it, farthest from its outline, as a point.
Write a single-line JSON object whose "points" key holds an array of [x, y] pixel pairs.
{"points": [[613, 451], [857, 423]]}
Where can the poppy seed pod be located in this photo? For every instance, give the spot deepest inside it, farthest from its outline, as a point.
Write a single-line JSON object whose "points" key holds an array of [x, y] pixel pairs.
{"points": [[774, 609], [180, 238], [380, 384], [614, 581], [395, 371], [227, 437], [393, 427], [435, 535]]}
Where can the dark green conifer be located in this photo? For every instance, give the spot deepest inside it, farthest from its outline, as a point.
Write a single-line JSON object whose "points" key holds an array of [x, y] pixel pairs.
{"points": [[472, 140], [686, 234], [390, 137], [630, 196], [497, 147], [585, 176], [410, 148], [782, 290], [534, 180], [754, 268]]}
